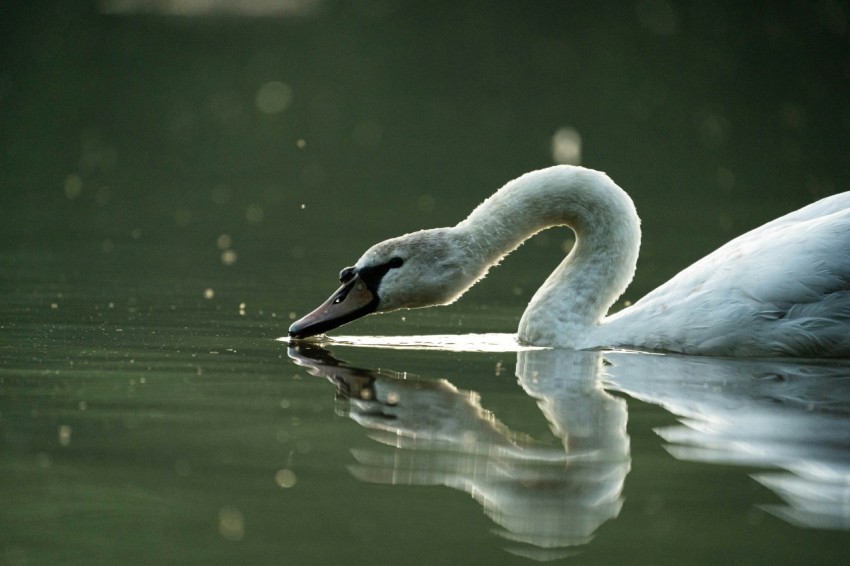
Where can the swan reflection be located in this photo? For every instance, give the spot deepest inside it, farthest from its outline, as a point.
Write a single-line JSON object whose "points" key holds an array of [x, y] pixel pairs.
{"points": [[551, 497], [791, 418], [787, 418]]}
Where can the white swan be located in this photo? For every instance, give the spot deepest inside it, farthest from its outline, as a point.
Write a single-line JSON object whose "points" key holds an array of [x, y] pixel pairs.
{"points": [[781, 289]]}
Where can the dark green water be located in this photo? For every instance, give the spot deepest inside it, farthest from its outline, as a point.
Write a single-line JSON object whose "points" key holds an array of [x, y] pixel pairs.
{"points": [[174, 189]]}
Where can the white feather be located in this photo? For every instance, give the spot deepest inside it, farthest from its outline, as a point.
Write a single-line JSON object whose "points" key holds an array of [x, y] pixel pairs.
{"points": [[781, 289]]}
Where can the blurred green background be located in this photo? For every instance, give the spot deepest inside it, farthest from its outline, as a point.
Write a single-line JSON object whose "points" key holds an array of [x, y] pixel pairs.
{"points": [[308, 129], [179, 179]]}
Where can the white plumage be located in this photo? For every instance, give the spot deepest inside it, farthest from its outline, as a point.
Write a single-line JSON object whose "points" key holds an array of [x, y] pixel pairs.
{"points": [[782, 289]]}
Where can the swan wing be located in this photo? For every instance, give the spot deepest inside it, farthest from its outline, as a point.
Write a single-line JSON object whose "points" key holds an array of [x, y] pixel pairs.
{"points": [[783, 288]]}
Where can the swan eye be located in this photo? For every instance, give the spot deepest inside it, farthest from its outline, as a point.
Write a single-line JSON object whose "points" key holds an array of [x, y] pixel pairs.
{"points": [[346, 274], [396, 262]]}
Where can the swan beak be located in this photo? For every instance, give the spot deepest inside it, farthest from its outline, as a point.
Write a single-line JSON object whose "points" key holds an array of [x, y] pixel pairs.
{"points": [[350, 302]]}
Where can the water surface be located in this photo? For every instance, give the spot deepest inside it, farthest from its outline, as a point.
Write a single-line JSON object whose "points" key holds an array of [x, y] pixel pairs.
{"points": [[177, 185], [149, 422]]}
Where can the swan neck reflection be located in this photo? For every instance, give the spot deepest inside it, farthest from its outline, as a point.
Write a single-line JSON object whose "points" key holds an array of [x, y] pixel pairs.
{"points": [[548, 497], [788, 418]]}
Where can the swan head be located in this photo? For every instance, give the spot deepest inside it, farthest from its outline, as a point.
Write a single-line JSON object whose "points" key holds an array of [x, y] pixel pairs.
{"points": [[422, 269]]}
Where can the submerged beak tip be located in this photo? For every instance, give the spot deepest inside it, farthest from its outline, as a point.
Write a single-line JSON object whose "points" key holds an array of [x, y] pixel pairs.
{"points": [[299, 330]]}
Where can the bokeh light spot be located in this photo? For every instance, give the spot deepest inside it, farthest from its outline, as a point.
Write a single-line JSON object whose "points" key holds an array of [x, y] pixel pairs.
{"points": [[273, 97], [231, 523], [285, 478], [64, 435], [254, 214], [73, 186], [228, 257], [566, 146]]}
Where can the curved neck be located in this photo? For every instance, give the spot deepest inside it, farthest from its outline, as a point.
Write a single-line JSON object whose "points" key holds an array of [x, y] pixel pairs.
{"points": [[600, 266]]}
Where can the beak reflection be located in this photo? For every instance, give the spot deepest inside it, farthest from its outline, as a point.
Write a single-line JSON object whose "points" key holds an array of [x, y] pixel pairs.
{"points": [[545, 497]]}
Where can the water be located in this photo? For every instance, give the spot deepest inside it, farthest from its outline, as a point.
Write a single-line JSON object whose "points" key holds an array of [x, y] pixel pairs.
{"points": [[144, 421], [176, 189]]}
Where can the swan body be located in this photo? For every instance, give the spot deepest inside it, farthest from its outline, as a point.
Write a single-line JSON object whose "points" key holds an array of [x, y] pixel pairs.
{"points": [[780, 290]]}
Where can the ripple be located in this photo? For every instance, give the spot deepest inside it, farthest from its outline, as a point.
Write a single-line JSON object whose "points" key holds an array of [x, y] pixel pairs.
{"points": [[489, 342]]}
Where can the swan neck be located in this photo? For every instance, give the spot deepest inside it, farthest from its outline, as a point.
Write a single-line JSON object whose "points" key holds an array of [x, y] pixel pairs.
{"points": [[578, 294]]}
